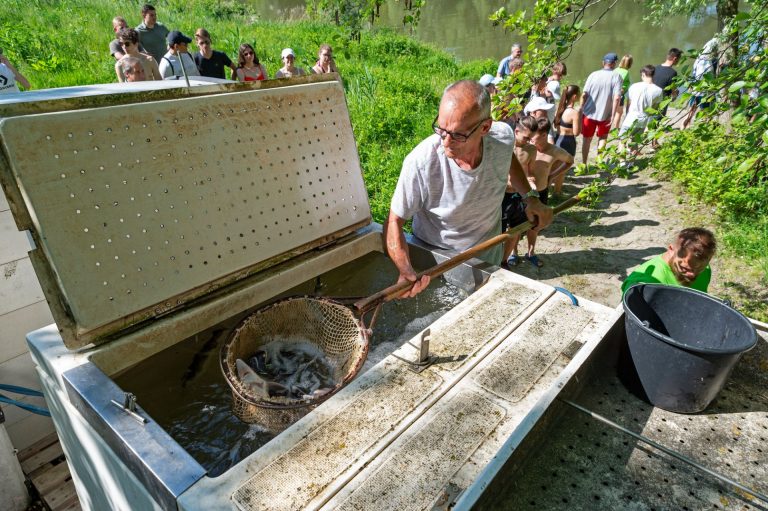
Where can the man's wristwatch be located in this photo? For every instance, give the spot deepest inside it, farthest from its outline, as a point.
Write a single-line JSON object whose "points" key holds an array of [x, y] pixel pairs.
{"points": [[531, 193]]}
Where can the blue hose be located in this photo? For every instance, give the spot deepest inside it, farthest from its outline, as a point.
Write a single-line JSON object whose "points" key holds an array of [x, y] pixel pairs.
{"points": [[567, 293], [24, 391]]}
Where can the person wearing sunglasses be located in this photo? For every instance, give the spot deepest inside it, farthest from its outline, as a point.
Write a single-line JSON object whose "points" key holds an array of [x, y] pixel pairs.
{"points": [[210, 62], [115, 48], [249, 69], [129, 41], [452, 183]]}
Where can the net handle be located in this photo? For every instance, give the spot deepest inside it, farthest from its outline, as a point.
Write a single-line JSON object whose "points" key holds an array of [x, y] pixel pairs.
{"points": [[392, 292]]}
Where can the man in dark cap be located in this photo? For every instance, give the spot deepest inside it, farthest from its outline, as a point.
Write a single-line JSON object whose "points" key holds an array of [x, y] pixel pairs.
{"points": [[602, 93], [177, 55]]}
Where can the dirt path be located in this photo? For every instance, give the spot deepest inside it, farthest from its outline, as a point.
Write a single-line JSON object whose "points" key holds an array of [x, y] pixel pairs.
{"points": [[590, 251]]}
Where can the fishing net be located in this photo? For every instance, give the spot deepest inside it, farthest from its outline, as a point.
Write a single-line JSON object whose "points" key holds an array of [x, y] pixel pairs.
{"points": [[329, 326]]}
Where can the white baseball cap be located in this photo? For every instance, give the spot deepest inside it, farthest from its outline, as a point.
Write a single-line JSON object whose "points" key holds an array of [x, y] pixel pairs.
{"points": [[537, 103], [286, 52], [486, 80]]}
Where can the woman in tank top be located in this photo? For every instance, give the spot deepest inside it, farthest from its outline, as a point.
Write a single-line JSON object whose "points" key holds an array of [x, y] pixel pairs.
{"points": [[249, 69], [567, 126]]}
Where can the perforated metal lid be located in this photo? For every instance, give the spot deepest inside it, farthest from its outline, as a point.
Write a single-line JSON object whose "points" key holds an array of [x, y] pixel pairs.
{"points": [[138, 209]]}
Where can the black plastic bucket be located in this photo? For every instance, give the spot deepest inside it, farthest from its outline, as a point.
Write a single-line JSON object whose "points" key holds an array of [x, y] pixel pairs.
{"points": [[683, 344]]}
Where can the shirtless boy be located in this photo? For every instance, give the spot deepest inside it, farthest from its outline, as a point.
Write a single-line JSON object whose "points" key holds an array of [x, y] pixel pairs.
{"points": [[550, 162], [526, 153]]}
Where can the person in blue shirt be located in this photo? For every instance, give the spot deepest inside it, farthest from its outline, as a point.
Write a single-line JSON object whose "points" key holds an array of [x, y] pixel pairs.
{"points": [[504, 68]]}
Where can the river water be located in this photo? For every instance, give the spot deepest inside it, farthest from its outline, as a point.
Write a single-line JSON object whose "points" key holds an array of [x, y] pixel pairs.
{"points": [[462, 28]]}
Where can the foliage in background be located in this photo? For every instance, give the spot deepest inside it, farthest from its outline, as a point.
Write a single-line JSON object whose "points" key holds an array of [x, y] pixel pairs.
{"points": [[721, 161], [659, 10], [353, 16], [393, 83], [552, 29]]}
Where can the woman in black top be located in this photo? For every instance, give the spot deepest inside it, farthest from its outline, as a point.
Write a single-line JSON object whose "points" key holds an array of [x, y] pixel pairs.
{"points": [[567, 126]]}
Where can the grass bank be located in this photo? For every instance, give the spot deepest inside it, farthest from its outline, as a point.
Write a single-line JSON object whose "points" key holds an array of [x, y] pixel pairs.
{"points": [[393, 83], [734, 192]]}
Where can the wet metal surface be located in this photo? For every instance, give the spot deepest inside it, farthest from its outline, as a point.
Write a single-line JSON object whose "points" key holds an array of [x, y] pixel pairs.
{"points": [[585, 464], [515, 371], [415, 473]]}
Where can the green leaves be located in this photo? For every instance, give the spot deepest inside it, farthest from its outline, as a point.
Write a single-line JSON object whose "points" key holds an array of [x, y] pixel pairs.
{"points": [[736, 86]]}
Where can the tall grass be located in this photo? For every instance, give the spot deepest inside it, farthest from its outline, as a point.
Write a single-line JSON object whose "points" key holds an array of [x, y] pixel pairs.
{"points": [[394, 83]]}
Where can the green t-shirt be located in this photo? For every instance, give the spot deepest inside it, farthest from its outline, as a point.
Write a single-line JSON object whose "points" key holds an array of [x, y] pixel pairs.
{"points": [[624, 73], [657, 271]]}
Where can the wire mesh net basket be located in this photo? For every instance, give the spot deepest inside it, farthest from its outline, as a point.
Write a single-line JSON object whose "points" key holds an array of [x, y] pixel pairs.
{"points": [[328, 325]]}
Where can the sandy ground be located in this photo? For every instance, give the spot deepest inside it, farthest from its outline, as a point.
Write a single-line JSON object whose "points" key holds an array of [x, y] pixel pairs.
{"points": [[591, 251]]}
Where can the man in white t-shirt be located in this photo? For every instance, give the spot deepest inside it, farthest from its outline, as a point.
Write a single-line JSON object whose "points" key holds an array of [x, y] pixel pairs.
{"points": [[453, 182], [602, 94], [640, 97]]}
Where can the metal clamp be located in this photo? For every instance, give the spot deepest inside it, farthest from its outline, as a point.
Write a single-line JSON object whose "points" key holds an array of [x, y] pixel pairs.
{"points": [[425, 359], [129, 406]]}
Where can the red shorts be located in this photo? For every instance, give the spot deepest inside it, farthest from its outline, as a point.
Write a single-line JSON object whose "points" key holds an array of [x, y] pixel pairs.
{"points": [[588, 127]]}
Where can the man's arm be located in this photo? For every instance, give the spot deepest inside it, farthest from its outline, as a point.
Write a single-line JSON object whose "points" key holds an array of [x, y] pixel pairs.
{"points": [[397, 249], [615, 108], [538, 214], [563, 161]]}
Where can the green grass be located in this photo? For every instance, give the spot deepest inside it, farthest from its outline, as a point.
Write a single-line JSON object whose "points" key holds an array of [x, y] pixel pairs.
{"points": [[393, 83]]}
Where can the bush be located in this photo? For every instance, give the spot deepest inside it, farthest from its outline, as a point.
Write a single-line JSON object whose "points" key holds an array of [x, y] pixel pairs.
{"points": [[735, 182]]}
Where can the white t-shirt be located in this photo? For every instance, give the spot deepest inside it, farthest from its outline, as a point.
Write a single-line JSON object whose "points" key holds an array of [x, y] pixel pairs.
{"points": [[170, 66], [452, 208], [601, 87], [554, 88], [641, 96], [7, 80]]}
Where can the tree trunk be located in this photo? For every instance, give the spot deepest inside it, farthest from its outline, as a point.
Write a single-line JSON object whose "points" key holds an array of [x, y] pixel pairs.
{"points": [[726, 9]]}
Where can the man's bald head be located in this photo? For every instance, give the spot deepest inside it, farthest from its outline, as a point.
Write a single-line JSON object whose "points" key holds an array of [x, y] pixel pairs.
{"points": [[468, 96]]}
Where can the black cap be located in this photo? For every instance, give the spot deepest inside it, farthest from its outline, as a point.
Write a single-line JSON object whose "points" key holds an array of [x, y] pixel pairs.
{"points": [[177, 37]]}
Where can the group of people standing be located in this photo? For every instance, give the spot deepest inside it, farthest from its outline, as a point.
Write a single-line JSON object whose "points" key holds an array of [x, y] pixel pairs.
{"points": [[607, 97], [453, 183], [553, 117], [152, 52]]}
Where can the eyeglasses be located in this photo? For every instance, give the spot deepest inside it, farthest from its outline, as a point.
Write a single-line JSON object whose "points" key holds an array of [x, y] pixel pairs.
{"points": [[246, 53], [204, 43], [458, 137], [125, 43]]}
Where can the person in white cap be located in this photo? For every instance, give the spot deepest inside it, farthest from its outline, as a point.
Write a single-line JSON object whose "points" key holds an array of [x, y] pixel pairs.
{"points": [[539, 108], [489, 82], [288, 70]]}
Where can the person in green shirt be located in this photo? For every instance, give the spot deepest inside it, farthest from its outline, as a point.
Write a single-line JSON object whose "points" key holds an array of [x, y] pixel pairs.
{"points": [[623, 71], [685, 263]]}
